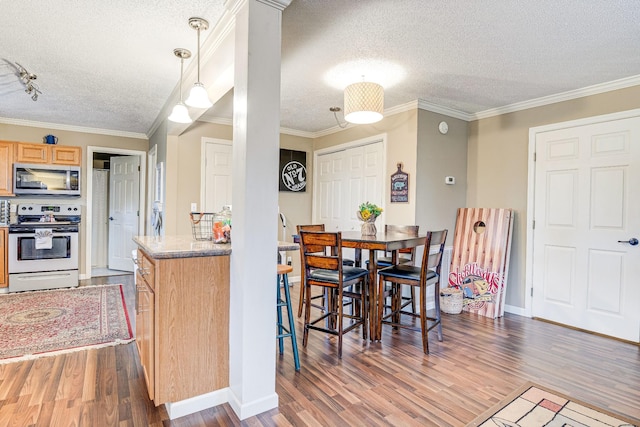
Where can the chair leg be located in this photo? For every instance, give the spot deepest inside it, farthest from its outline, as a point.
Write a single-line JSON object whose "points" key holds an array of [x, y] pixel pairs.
{"points": [[364, 309], [436, 287], [423, 321], [380, 308], [301, 302], [307, 314], [292, 327], [413, 299], [340, 317], [279, 304]]}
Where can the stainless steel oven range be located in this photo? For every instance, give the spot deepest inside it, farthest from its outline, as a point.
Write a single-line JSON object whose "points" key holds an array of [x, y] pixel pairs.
{"points": [[43, 247]]}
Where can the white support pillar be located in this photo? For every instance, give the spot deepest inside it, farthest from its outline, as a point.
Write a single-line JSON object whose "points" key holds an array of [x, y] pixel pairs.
{"points": [[256, 136]]}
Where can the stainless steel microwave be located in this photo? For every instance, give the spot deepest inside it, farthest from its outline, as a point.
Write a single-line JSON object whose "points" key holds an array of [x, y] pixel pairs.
{"points": [[47, 180]]}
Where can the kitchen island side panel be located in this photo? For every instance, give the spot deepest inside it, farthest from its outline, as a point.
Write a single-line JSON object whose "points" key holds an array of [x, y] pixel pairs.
{"points": [[192, 327]]}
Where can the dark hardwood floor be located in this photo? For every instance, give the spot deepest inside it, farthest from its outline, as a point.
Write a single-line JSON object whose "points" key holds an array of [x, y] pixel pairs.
{"points": [[375, 384]]}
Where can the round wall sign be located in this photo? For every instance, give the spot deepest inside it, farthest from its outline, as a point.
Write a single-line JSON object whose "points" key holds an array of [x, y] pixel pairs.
{"points": [[294, 176]]}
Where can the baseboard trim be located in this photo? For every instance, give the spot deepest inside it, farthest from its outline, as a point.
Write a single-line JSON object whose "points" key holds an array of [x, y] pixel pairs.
{"points": [[197, 404], [515, 310], [246, 410]]}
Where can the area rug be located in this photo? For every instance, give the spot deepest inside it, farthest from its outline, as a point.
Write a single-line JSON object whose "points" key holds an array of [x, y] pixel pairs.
{"points": [[35, 324], [533, 405]]}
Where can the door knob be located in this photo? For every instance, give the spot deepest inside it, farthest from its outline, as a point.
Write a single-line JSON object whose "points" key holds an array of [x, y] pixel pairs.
{"points": [[633, 241], [110, 218]]}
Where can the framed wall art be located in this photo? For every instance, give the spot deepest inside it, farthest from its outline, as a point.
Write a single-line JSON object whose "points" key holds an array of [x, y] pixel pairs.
{"points": [[293, 171], [399, 186]]}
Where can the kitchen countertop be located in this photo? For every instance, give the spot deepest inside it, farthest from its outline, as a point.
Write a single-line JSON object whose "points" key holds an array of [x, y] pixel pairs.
{"points": [[161, 247]]}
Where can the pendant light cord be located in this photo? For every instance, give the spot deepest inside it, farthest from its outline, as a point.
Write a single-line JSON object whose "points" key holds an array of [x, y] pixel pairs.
{"points": [[181, 68], [198, 53]]}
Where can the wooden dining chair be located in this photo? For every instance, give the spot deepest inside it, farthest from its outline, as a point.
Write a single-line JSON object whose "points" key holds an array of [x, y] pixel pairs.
{"points": [[324, 268], [313, 227], [428, 274], [405, 256]]}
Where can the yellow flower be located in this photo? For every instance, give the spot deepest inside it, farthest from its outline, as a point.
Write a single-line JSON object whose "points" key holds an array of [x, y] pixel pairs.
{"points": [[365, 215]]}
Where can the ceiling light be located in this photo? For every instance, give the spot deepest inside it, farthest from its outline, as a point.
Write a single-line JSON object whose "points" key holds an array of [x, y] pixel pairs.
{"points": [[363, 103], [27, 80], [198, 97], [180, 114]]}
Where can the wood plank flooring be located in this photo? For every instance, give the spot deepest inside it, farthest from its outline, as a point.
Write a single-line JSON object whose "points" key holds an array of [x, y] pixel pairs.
{"points": [[381, 384]]}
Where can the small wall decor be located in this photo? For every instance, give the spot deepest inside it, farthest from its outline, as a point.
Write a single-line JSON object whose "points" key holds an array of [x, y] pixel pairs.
{"points": [[293, 171], [399, 186]]}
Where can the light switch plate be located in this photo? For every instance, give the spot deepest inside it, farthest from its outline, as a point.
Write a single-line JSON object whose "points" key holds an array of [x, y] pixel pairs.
{"points": [[194, 207], [450, 180]]}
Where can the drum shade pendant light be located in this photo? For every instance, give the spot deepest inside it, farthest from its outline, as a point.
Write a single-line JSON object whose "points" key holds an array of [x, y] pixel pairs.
{"points": [[198, 97], [363, 103], [180, 114]]}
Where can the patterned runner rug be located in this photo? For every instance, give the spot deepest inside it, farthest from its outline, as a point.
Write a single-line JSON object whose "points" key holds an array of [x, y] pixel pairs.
{"points": [[43, 323], [534, 406]]}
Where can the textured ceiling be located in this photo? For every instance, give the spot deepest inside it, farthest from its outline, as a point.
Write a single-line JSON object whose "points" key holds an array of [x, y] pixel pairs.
{"points": [[110, 65]]}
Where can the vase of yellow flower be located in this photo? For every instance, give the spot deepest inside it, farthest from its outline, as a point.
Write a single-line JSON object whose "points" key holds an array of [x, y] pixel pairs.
{"points": [[367, 213]]}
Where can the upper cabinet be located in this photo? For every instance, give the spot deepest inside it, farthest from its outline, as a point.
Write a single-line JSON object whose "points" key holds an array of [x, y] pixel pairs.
{"points": [[32, 153], [48, 154], [64, 155], [19, 152], [6, 172]]}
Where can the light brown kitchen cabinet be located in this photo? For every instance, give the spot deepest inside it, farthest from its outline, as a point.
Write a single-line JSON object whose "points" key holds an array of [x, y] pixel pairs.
{"points": [[66, 155], [4, 277], [182, 325], [6, 168], [145, 307], [32, 153], [48, 154]]}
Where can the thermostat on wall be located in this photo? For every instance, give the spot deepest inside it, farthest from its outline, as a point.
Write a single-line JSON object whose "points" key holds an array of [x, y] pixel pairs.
{"points": [[449, 180]]}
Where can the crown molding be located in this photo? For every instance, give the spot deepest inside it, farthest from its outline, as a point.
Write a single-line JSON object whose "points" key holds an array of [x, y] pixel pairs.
{"points": [[296, 132], [57, 126], [560, 97], [440, 109], [286, 131], [216, 120]]}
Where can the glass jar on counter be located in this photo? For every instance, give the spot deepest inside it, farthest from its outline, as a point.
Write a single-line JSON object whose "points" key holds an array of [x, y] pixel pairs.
{"points": [[222, 226]]}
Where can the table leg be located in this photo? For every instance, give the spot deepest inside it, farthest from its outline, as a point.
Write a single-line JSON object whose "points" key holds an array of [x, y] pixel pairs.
{"points": [[373, 297]]}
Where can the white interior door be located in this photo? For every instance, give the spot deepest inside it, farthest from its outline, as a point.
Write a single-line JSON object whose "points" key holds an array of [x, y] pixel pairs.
{"points": [[345, 179], [587, 206], [216, 181], [331, 179], [124, 201]]}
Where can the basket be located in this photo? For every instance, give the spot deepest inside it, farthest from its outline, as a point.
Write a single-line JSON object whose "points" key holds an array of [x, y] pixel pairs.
{"points": [[202, 225], [451, 300]]}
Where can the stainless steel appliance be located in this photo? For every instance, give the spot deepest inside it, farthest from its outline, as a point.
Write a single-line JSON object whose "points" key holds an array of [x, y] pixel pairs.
{"points": [[48, 180], [43, 247]]}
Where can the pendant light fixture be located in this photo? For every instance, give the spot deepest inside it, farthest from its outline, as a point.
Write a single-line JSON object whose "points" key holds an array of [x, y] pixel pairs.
{"points": [[180, 114], [363, 103], [198, 97]]}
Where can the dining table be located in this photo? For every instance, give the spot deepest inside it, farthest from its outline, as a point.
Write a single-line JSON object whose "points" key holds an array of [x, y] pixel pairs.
{"points": [[382, 241]]}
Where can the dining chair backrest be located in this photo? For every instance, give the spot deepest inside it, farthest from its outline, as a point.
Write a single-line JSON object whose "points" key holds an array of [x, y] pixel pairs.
{"points": [[321, 250], [311, 227], [433, 250], [411, 230]]}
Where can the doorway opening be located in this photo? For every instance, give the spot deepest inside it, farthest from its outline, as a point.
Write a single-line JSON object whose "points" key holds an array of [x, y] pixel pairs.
{"points": [[115, 213]]}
